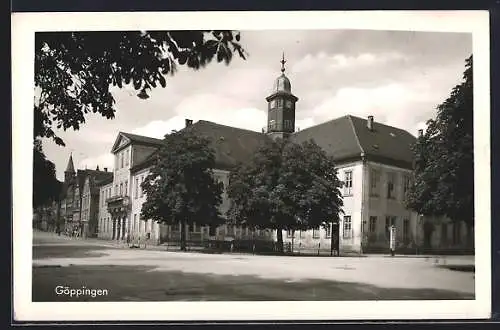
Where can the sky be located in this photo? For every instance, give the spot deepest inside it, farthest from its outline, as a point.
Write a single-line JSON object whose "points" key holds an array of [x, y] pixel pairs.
{"points": [[399, 77]]}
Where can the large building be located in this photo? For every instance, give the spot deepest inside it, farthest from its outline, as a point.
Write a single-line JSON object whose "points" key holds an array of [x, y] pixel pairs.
{"points": [[374, 161]]}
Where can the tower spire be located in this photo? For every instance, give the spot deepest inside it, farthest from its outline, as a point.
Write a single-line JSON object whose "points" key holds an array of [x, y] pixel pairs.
{"points": [[70, 169], [71, 166], [283, 63]]}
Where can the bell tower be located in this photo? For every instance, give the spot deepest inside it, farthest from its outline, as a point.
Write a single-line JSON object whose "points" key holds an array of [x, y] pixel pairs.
{"points": [[281, 106]]}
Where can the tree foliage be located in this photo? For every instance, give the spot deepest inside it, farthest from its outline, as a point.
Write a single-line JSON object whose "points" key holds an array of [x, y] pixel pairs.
{"points": [[286, 186], [180, 187], [74, 71], [444, 159], [46, 187]]}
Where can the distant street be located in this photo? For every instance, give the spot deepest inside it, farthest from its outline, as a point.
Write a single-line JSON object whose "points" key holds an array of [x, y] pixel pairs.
{"points": [[152, 274]]}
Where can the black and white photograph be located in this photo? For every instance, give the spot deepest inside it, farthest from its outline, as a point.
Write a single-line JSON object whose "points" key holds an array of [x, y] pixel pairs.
{"points": [[251, 165]]}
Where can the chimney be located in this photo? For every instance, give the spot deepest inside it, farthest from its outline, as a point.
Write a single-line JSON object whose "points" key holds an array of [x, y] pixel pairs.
{"points": [[97, 168], [420, 132], [369, 123], [189, 122], [105, 169]]}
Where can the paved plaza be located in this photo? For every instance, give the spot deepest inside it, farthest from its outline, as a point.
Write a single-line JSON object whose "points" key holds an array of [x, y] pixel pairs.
{"points": [[152, 274]]}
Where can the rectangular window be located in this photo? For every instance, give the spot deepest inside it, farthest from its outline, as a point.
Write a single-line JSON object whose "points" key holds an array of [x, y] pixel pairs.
{"points": [[374, 182], [406, 184], [126, 158], [133, 224], [279, 102], [272, 124], [121, 159], [302, 234], [391, 178], [140, 185], [212, 230], [121, 189], [116, 189], [289, 233], [373, 224], [328, 230], [136, 187], [347, 227], [406, 230], [348, 183], [125, 188], [316, 232]]}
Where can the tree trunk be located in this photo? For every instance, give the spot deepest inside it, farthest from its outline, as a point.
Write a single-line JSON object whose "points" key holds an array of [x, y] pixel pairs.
{"points": [[279, 233], [183, 235]]}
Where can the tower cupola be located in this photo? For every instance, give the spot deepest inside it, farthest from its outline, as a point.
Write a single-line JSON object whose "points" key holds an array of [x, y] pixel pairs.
{"points": [[281, 106]]}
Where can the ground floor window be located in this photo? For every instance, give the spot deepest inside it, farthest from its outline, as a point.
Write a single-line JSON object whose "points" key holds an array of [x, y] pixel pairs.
{"points": [[289, 233], [211, 230], [347, 227], [373, 224], [328, 230], [316, 232], [406, 230]]}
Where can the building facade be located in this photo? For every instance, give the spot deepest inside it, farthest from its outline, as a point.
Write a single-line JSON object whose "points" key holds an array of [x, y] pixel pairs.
{"points": [[79, 200], [373, 160]]}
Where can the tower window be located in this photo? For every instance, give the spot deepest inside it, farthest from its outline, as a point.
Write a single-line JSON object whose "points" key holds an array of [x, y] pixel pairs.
{"points": [[279, 102], [288, 104], [272, 104]]}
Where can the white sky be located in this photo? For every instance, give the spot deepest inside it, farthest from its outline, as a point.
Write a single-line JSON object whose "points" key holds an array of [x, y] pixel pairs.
{"points": [[398, 77]]}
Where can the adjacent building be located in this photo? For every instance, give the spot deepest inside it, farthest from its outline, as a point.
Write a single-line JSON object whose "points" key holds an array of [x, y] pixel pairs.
{"points": [[79, 200]]}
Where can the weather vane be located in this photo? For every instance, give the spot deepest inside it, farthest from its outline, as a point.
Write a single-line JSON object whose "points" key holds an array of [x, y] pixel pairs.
{"points": [[283, 63]]}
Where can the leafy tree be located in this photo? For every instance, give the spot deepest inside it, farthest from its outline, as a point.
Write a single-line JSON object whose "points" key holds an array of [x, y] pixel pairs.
{"points": [[444, 159], [75, 70], [46, 187], [287, 186], [180, 187]]}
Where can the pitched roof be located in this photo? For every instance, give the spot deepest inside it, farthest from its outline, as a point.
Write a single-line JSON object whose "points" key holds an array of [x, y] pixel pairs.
{"points": [[231, 145], [348, 137], [336, 137], [384, 142], [95, 176], [344, 138], [142, 139]]}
